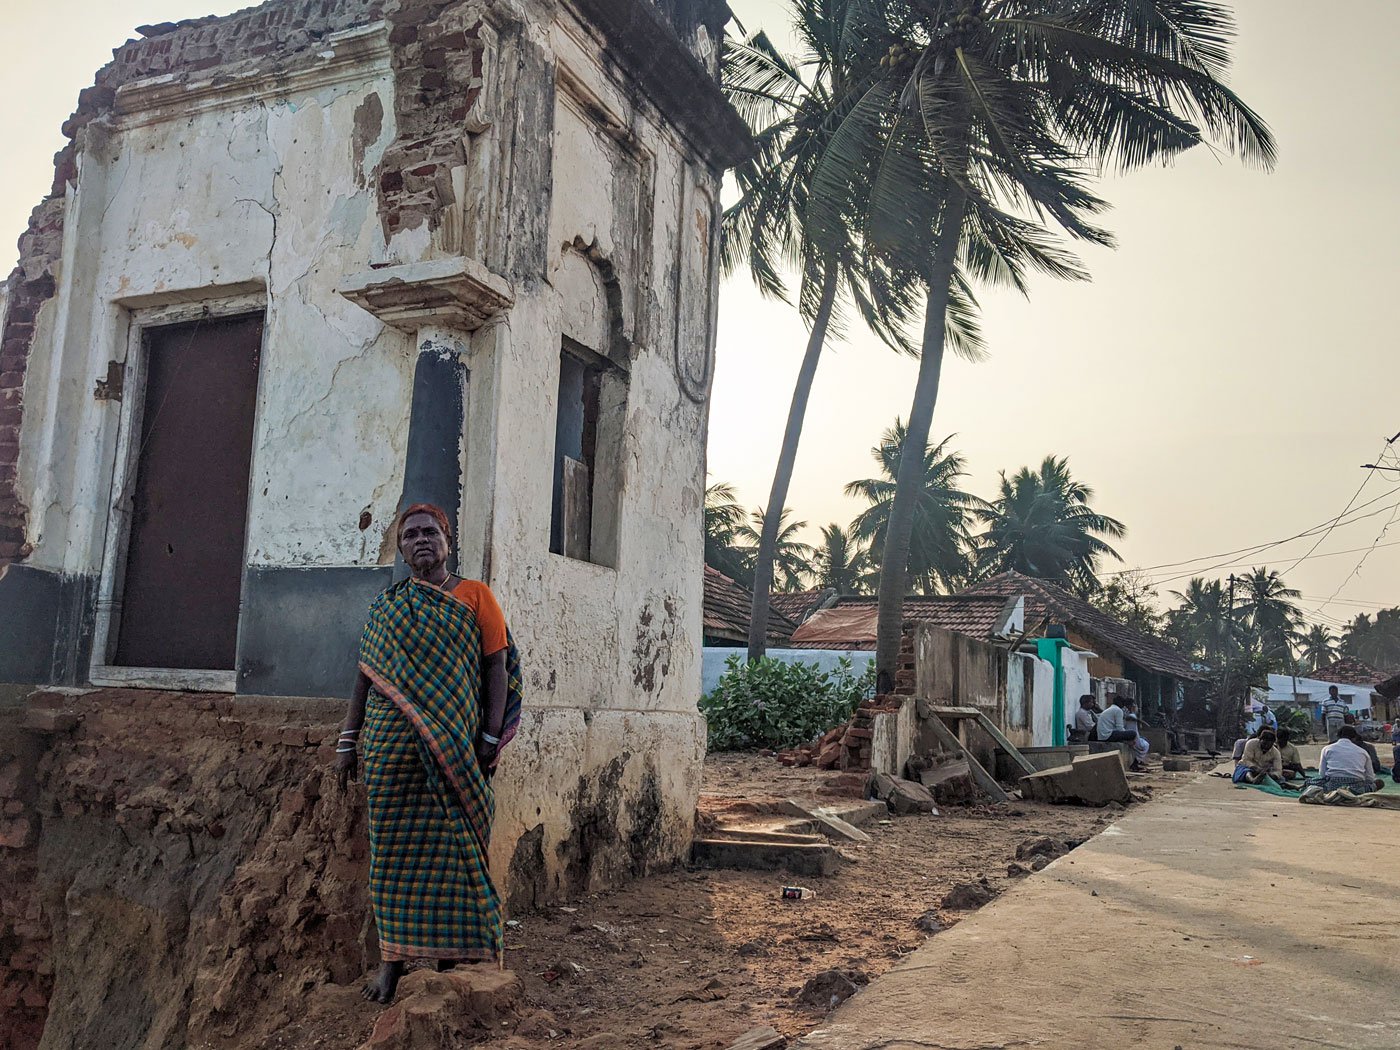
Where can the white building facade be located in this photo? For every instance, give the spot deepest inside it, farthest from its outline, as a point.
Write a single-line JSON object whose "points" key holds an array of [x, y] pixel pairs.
{"points": [[303, 269]]}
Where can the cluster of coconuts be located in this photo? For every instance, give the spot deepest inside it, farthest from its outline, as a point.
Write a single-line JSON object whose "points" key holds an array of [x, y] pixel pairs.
{"points": [[964, 26], [899, 56]]}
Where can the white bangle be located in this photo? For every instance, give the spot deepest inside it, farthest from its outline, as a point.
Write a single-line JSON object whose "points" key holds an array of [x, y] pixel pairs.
{"points": [[490, 739], [350, 733], [345, 751]]}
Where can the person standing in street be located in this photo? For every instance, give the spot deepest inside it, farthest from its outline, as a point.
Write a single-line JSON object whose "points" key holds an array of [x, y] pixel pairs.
{"points": [[1334, 713], [437, 697]]}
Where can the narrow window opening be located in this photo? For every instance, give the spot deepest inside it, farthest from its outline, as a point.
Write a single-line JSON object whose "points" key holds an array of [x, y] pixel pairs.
{"points": [[584, 436]]}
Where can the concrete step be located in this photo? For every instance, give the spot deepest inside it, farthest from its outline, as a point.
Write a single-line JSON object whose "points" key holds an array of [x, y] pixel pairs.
{"points": [[800, 858]]}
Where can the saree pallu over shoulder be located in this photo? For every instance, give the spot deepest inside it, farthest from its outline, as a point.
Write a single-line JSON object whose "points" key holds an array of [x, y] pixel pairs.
{"points": [[430, 802]]}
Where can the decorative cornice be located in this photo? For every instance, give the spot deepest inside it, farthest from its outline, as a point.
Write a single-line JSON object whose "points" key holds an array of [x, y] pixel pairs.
{"points": [[646, 45], [452, 293]]}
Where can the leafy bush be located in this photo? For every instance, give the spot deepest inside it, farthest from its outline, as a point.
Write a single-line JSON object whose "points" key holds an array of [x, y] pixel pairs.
{"points": [[1298, 723], [774, 704]]}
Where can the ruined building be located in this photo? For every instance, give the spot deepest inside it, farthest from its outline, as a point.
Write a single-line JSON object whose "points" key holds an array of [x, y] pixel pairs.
{"points": [[300, 266]]}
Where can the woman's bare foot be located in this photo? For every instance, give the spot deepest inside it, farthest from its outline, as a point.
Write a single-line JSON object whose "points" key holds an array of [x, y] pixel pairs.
{"points": [[381, 989]]}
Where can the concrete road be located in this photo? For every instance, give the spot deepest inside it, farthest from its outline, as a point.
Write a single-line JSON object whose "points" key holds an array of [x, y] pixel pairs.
{"points": [[1213, 917]]}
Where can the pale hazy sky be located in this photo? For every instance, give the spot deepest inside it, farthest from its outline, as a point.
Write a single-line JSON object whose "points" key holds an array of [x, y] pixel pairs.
{"points": [[1218, 383]]}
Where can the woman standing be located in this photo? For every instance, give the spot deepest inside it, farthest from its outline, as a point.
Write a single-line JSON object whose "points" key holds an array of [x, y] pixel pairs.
{"points": [[437, 698]]}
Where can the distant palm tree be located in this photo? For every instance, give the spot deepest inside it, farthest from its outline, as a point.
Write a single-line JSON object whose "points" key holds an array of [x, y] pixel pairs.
{"points": [[1375, 641], [842, 563], [724, 517], [1270, 615], [941, 541], [1200, 624], [1041, 525], [792, 559], [1316, 647]]}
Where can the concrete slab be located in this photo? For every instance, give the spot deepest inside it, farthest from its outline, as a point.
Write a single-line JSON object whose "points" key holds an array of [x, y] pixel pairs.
{"points": [[1091, 779], [827, 823], [799, 858], [1181, 920], [859, 813]]}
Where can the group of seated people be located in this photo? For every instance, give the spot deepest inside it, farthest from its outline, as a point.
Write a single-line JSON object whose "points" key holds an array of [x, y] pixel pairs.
{"points": [[1117, 723], [1269, 755]]}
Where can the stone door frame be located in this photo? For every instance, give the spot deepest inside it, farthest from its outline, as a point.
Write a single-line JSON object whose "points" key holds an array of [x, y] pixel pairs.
{"points": [[118, 525]]}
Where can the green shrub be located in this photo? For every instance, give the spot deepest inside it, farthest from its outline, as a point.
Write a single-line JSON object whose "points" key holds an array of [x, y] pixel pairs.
{"points": [[773, 704], [1298, 723]]}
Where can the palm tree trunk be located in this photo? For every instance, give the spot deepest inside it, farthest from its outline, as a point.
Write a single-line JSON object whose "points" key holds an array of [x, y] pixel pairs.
{"points": [[787, 458], [894, 567]]}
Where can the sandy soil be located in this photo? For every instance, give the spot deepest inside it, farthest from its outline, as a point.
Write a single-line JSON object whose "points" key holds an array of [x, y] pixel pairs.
{"points": [[691, 960]]}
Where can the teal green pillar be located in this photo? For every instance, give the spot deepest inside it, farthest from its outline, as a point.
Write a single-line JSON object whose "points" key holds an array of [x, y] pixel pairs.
{"points": [[1050, 649]]}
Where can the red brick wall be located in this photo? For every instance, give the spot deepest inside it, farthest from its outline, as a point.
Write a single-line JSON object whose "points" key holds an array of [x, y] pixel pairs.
{"points": [[30, 286], [437, 60]]}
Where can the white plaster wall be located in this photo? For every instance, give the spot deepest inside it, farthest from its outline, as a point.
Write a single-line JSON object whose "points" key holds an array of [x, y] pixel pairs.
{"points": [[1077, 679], [259, 196], [1042, 717]]}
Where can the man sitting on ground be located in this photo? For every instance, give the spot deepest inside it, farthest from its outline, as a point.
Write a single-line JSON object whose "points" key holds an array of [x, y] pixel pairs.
{"points": [[1288, 753], [1085, 719], [1250, 734], [1346, 764], [1261, 761], [1140, 744]]}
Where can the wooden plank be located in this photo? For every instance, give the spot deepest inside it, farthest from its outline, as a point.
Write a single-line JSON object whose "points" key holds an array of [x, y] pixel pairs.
{"points": [[984, 779], [992, 731], [578, 509], [956, 712]]}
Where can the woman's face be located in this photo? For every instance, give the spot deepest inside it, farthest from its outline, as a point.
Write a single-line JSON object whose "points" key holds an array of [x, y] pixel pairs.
{"points": [[422, 543]]}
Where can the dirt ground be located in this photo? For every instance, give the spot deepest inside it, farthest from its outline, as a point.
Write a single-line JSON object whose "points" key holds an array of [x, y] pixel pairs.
{"points": [[692, 959]]}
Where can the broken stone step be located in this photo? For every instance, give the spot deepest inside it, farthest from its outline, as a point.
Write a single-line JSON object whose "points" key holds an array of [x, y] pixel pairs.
{"points": [[800, 835], [765, 1038], [859, 813], [828, 823], [801, 858]]}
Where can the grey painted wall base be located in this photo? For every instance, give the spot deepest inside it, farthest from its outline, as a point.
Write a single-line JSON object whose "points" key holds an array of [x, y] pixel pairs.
{"points": [[300, 629], [46, 623]]}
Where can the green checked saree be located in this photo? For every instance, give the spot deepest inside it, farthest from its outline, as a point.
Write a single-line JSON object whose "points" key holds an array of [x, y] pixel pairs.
{"points": [[430, 802]]}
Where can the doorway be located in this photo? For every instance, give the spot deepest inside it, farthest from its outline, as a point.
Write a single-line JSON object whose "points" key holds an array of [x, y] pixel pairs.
{"points": [[181, 580]]}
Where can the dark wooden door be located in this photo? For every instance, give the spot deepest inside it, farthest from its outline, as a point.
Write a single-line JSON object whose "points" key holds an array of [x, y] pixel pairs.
{"points": [[184, 560]]}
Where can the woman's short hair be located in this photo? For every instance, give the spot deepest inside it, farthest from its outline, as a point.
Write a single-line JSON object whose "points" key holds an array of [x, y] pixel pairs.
{"points": [[433, 511]]}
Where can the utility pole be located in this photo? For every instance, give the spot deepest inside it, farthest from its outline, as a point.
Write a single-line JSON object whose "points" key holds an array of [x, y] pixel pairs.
{"points": [[1229, 645]]}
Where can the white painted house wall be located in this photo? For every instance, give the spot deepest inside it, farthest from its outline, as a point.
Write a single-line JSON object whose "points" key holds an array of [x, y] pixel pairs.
{"points": [[1316, 691]]}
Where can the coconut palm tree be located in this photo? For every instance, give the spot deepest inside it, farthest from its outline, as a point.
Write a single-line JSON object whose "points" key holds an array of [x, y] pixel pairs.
{"points": [[1375, 641], [941, 541], [1270, 615], [1316, 647], [793, 106], [792, 559], [1041, 525], [990, 122], [724, 517], [1201, 622], [842, 563]]}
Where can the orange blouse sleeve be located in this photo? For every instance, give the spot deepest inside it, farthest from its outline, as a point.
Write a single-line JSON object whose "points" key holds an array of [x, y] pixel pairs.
{"points": [[490, 620]]}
